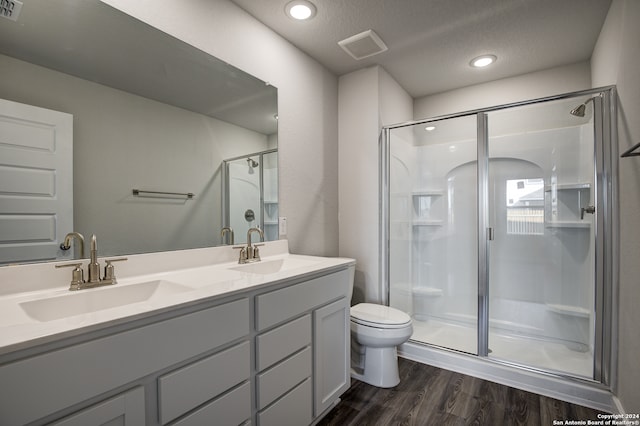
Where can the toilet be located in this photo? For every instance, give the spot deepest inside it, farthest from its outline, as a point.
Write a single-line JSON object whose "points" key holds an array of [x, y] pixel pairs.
{"points": [[376, 331]]}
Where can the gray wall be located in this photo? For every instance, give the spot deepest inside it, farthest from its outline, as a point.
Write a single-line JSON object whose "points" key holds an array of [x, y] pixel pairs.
{"points": [[539, 84], [369, 98], [616, 60]]}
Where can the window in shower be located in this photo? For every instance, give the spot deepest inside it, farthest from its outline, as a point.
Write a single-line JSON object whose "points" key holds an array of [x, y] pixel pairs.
{"points": [[525, 206]]}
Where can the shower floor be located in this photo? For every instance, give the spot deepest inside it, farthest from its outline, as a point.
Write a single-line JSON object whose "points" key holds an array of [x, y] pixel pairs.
{"points": [[536, 353]]}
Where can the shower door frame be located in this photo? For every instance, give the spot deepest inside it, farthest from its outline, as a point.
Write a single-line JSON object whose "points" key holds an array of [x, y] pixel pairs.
{"points": [[606, 231]]}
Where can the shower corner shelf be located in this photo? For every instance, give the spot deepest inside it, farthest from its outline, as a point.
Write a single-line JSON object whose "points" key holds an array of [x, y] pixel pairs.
{"points": [[428, 222], [426, 291], [428, 193], [569, 310], [576, 224], [569, 186]]}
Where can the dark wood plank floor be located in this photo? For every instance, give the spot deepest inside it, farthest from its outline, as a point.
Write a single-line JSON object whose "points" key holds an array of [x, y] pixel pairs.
{"points": [[428, 395]]}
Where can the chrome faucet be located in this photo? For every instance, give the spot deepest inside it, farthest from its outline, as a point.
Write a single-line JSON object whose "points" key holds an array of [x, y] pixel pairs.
{"points": [[225, 230], [66, 245], [253, 253], [93, 270], [250, 253]]}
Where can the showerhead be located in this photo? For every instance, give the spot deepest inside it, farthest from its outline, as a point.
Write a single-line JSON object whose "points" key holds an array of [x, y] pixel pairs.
{"points": [[580, 110], [252, 163]]}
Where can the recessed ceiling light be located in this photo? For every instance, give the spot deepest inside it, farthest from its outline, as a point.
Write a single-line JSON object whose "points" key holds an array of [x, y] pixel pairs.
{"points": [[300, 10], [430, 128], [483, 61]]}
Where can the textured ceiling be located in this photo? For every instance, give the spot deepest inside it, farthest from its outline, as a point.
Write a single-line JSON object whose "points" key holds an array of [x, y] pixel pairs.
{"points": [[432, 41]]}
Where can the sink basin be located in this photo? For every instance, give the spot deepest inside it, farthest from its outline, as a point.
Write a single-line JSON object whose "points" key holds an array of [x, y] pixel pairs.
{"points": [[92, 300], [273, 266], [204, 276]]}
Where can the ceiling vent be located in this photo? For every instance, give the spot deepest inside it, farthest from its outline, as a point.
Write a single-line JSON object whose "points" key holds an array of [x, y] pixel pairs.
{"points": [[363, 45], [10, 9]]}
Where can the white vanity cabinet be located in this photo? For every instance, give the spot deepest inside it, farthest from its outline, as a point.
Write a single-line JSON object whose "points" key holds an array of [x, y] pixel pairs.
{"points": [[45, 387], [275, 354], [303, 356]]}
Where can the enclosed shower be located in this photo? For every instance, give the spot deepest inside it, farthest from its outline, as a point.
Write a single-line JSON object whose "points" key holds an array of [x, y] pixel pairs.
{"points": [[497, 232]]}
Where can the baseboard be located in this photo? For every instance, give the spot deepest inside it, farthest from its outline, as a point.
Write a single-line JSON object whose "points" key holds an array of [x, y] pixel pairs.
{"points": [[619, 408], [575, 392]]}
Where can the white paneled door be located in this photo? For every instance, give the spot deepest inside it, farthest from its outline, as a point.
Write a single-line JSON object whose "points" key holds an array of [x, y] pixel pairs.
{"points": [[36, 182]]}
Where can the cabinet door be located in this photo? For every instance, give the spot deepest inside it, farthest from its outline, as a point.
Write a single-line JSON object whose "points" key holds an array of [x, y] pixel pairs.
{"points": [[332, 348], [126, 409]]}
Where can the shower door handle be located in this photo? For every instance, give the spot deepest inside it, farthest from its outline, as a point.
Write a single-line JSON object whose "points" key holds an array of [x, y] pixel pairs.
{"points": [[588, 209], [490, 234]]}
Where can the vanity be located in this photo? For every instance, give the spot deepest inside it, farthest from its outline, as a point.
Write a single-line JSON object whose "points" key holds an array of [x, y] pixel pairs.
{"points": [[184, 338]]}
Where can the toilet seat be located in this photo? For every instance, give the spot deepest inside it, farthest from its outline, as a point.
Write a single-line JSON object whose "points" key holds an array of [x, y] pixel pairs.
{"points": [[379, 316]]}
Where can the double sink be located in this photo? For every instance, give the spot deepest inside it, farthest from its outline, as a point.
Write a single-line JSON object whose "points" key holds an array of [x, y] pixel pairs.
{"points": [[157, 288]]}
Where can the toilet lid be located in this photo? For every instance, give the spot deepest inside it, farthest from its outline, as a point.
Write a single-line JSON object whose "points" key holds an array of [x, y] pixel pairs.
{"points": [[379, 316]]}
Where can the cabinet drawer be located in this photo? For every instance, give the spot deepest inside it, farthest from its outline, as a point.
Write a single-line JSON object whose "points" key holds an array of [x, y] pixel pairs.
{"points": [[183, 390], [278, 380], [64, 377], [280, 305], [293, 409], [231, 409], [126, 409], [278, 344]]}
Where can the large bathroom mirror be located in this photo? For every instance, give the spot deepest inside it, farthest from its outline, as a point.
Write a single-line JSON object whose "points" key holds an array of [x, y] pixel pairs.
{"points": [[150, 122]]}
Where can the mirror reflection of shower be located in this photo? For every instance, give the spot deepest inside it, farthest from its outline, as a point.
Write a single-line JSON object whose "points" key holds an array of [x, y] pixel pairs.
{"points": [[250, 183], [252, 163]]}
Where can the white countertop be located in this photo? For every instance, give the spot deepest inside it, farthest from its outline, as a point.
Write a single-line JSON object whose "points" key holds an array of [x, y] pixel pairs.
{"points": [[183, 278]]}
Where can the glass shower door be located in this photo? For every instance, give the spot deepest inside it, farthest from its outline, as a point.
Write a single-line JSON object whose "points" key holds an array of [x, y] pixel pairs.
{"points": [[541, 174], [433, 272]]}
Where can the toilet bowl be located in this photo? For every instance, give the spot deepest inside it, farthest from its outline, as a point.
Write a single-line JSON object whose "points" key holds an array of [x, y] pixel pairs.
{"points": [[376, 331]]}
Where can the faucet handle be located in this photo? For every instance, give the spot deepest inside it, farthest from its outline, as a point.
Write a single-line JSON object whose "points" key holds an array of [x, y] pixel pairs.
{"points": [[109, 270], [256, 251], [243, 254], [77, 275]]}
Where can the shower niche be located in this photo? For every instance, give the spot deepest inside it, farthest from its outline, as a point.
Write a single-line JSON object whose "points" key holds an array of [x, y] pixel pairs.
{"points": [[569, 205], [428, 208], [498, 257]]}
